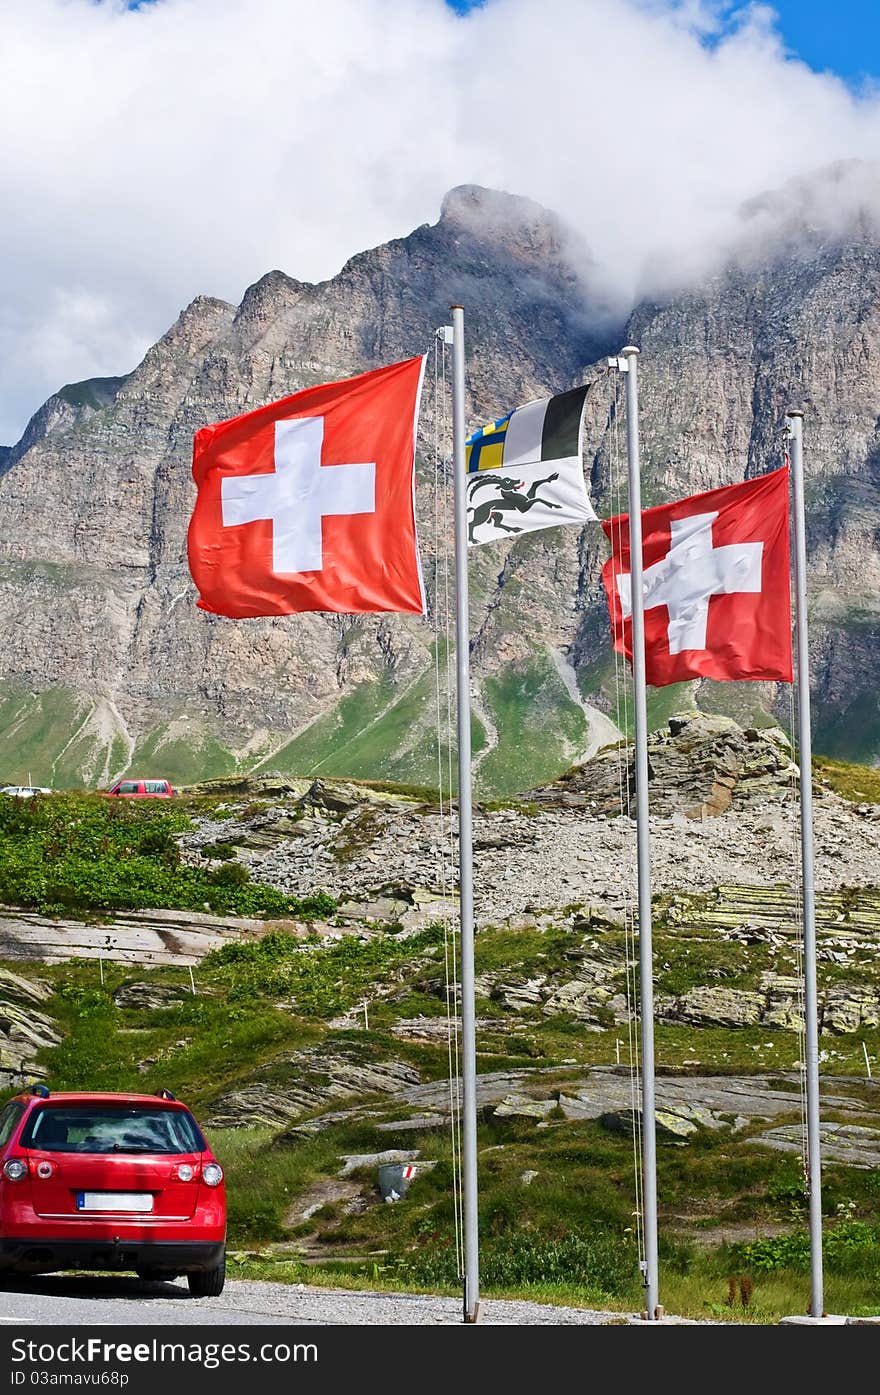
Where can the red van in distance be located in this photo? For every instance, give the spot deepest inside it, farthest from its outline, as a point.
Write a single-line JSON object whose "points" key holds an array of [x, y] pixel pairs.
{"points": [[135, 789]]}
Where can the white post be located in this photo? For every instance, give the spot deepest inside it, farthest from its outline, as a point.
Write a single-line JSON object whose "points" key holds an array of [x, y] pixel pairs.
{"points": [[867, 1060], [465, 855], [805, 760], [630, 356]]}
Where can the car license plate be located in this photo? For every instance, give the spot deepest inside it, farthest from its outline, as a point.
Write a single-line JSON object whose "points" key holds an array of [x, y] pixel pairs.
{"points": [[114, 1201]]}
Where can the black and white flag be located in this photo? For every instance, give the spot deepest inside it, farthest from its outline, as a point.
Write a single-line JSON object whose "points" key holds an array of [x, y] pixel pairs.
{"points": [[525, 470]]}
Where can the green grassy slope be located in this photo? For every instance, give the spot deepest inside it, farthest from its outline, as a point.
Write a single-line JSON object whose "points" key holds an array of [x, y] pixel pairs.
{"points": [[539, 728], [35, 732], [379, 731]]}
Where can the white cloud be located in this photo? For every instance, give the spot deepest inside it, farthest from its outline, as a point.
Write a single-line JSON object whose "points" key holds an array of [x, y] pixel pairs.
{"points": [[191, 145]]}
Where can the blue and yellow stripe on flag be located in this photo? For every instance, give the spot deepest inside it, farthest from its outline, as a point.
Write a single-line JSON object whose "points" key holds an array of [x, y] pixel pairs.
{"points": [[549, 428], [483, 450]]}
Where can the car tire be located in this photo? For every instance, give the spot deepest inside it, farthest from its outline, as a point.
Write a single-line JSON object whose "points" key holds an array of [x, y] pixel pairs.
{"points": [[207, 1283]]}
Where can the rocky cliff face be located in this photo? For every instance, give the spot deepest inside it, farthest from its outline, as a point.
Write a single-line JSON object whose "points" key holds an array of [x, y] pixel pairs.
{"points": [[107, 665]]}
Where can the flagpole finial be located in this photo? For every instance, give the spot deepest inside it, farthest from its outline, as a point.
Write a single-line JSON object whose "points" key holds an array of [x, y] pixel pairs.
{"points": [[630, 349], [793, 412]]}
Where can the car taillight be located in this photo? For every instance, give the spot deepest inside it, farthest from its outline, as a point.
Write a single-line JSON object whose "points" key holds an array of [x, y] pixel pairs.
{"points": [[185, 1172], [15, 1169], [44, 1169], [212, 1174]]}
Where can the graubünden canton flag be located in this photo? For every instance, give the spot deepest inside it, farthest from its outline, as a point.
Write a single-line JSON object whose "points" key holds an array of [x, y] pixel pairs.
{"points": [[309, 503], [525, 470], [716, 582]]}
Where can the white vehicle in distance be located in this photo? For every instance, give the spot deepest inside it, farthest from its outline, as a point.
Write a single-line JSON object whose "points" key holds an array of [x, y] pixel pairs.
{"points": [[24, 791]]}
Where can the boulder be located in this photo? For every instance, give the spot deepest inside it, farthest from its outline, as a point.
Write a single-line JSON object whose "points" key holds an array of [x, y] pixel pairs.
{"points": [[721, 1007], [149, 997], [522, 1106]]}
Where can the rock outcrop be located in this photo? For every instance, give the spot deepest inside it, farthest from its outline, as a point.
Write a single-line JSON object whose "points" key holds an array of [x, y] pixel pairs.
{"points": [[25, 1028], [700, 765], [724, 812]]}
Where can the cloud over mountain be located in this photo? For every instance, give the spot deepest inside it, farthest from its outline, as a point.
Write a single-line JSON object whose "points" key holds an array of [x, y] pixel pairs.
{"points": [[189, 145]]}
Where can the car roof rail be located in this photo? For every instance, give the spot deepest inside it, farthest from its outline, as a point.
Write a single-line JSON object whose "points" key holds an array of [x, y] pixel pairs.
{"points": [[41, 1090], [166, 1095]]}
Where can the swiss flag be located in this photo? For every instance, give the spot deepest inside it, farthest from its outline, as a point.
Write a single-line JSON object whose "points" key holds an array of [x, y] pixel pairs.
{"points": [[309, 503], [716, 581]]}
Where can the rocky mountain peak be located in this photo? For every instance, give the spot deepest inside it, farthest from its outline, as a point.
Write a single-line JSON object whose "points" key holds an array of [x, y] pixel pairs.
{"points": [[198, 324], [271, 295], [202, 311], [72, 403], [506, 219]]}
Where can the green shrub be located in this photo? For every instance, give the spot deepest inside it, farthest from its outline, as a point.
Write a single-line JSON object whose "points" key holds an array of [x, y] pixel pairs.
{"points": [[159, 843], [82, 855], [603, 1264], [849, 1248], [233, 874]]}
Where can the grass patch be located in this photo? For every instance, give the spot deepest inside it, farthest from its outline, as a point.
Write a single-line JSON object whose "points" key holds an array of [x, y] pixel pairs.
{"points": [[321, 982], [32, 730], [858, 783], [183, 760], [84, 855], [91, 392], [538, 725]]}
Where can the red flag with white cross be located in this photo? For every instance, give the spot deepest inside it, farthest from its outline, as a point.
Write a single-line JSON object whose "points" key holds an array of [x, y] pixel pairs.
{"points": [[716, 584], [309, 503]]}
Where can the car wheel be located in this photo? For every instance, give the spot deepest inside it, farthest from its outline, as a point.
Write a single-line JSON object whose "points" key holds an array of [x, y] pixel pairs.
{"points": [[207, 1283]]}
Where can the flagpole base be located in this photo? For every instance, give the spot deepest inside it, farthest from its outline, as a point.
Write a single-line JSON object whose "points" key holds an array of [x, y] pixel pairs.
{"points": [[826, 1320], [476, 1315]]}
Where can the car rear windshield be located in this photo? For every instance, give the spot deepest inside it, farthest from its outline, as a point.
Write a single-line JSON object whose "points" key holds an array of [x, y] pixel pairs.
{"points": [[91, 1128]]}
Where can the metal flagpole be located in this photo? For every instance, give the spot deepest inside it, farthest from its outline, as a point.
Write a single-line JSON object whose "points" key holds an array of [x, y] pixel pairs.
{"points": [[628, 363], [795, 421], [465, 856]]}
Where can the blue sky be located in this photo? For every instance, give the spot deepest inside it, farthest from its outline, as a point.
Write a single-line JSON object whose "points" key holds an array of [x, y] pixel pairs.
{"points": [[842, 36]]}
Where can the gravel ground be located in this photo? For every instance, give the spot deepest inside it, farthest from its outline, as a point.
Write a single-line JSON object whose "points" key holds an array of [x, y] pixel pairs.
{"points": [[90, 1299], [321, 1305]]}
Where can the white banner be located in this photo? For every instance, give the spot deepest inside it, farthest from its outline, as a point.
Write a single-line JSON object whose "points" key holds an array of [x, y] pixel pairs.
{"points": [[523, 498]]}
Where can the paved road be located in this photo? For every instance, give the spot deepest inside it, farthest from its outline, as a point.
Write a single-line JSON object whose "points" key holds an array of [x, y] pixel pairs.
{"points": [[54, 1299]]}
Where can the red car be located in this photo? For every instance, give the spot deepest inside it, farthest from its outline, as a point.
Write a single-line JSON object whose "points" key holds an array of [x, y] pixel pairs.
{"points": [[135, 789], [110, 1181]]}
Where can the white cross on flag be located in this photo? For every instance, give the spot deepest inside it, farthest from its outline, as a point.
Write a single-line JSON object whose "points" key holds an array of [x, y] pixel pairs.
{"points": [[309, 503], [716, 584]]}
